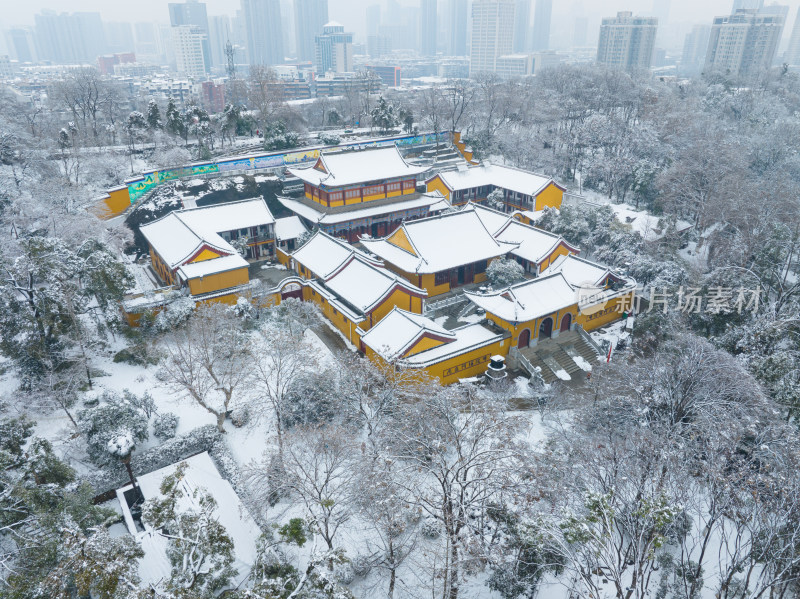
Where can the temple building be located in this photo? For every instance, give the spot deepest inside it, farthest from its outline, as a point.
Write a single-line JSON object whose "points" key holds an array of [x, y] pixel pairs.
{"points": [[352, 290], [367, 192], [409, 340], [194, 247], [572, 292], [442, 252], [536, 248], [523, 191]]}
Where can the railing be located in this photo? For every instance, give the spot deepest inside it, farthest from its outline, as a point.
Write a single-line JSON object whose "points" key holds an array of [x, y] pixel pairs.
{"points": [[450, 301], [523, 361], [588, 338]]}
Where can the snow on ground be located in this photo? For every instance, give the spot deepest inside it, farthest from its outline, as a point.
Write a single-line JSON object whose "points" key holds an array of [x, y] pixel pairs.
{"points": [[611, 333]]}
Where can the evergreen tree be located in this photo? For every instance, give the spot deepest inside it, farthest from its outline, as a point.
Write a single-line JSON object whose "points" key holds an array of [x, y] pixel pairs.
{"points": [[384, 115], [175, 121], [200, 550], [154, 116]]}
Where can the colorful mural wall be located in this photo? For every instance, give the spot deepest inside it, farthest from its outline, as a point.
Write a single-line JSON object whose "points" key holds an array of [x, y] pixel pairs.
{"points": [[149, 180]]}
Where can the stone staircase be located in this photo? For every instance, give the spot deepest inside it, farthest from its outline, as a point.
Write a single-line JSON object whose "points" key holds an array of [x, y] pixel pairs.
{"points": [[562, 355]]}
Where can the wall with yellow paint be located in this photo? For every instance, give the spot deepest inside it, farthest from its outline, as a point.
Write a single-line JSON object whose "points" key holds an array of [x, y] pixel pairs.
{"points": [[206, 254], [550, 197], [400, 239], [219, 281], [611, 312], [561, 250], [400, 298], [339, 320], [161, 268], [436, 184], [283, 257], [423, 344]]}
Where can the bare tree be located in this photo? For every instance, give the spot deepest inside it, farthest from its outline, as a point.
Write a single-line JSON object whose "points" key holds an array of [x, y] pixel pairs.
{"points": [[459, 453], [210, 359]]}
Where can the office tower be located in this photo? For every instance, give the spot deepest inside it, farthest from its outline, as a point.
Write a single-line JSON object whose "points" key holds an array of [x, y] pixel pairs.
{"points": [[310, 16], [457, 27], [776, 9], [264, 38], [661, 11], [373, 19], [492, 34], [219, 32], [580, 32], [69, 38], [694, 48], [743, 43], [522, 19], [146, 39], [427, 28], [194, 13], [403, 31], [287, 28], [627, 42], [541, 25], [747, 4], [334, 49], [379, 45], [793, 51], [21, 44], [119, 37], [188, 43]]}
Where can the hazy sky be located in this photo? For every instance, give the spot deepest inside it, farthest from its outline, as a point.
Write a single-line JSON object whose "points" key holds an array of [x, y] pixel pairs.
{"points": [[351, 12]]}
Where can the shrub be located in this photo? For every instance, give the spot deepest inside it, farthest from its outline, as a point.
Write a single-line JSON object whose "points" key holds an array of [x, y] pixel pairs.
{"points": [[240, 416], [114, 417], [165, 425], [362, 565], [344, 573], [430, 529], [504, 272], [330, 139]]}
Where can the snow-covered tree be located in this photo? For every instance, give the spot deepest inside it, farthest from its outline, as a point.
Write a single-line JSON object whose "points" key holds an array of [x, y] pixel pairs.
{"points": [[114, 427], [210, 361], [384, 115], [504, 272], [199, 547], [154, 116]]}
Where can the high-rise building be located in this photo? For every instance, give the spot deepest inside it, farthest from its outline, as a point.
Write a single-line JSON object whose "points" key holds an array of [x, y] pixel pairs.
{"points": [[310, 16], [373, 19], [69, 38], [743, 43], [188, 43], [21, 44], [146, 39], [627, 42], [694, 49], [457, 27], [580, 32], [119, 37], [541, 25], [194, 13], [262, 20], [776, 9], [427, 27], [492, 34], [747, 5], [522, 19], [334, 49], [219, 33], [793, 51], [378, 45]]}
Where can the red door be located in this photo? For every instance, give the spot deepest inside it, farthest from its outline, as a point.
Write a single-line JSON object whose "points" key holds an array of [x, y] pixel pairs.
{"points": [[566, 322], [524, 339]]}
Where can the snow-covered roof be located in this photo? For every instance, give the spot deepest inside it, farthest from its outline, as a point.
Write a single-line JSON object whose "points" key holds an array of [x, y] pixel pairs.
{"points": [[528, 300], [337, 169], [512, 179], [363, 285], [468, 338], [438, 243], [644, 223], [323, 254], [230, 512], [195, 270], [399, 330], [332, 217], [290, 227], [534, 244], [172, 239], [180, 234], [578, 271]]}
